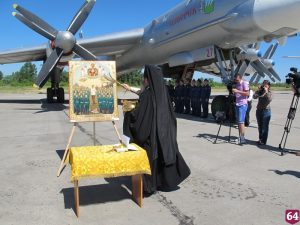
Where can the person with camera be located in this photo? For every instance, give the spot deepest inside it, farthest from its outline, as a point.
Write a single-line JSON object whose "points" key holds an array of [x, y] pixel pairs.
{"points": [[241, 93], [263, 111]]}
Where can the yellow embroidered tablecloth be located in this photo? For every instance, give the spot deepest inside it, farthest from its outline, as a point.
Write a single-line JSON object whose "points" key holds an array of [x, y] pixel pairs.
{"points": [[104, 161]]}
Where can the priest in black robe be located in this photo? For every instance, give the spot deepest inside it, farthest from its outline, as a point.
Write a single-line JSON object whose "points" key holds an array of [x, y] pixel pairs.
{"points": [[152, 125]]}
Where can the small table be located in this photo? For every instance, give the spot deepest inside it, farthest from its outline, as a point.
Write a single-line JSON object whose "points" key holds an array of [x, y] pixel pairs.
{"points": [[105, 161]]}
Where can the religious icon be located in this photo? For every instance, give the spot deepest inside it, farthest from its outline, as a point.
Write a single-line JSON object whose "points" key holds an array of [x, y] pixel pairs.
{"points": [[92, 71], [93, 92]]}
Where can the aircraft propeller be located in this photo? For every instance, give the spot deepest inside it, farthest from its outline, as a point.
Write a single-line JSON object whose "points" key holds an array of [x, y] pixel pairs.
{"points": [[63, 42], [262, 65]]}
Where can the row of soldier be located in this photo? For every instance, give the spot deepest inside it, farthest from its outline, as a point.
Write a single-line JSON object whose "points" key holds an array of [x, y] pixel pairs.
{"points": [[93, 100], [191, 97]]}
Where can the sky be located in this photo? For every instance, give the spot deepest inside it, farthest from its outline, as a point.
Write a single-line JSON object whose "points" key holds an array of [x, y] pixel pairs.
{"points": [[107, 16]]}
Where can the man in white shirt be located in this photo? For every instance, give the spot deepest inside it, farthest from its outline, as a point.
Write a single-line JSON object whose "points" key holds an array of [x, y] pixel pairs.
{"points": [[247, 119]]}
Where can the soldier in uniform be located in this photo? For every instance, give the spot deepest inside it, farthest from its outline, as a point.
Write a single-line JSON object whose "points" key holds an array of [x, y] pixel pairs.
{"points": [[193, 95], [179, 97], [205, 94], [171, 91], [187, 97], [198, 97]]}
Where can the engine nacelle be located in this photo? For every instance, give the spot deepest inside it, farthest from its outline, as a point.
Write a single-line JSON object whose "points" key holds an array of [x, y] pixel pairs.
{"points": [[66, 57], [251, 54], [269, 63]]}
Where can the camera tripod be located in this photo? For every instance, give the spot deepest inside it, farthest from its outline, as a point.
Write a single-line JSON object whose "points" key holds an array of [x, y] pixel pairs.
{"points": [[229, 137], [229, 116], [289, 121]]}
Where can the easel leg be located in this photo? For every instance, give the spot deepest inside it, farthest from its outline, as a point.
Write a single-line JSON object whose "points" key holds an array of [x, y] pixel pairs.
{"points": [[76, 197], [114, 125], [62, 164], [137, 189]]}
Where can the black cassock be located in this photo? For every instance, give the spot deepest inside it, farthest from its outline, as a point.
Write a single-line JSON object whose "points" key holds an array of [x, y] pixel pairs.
{"points": [[152, 125]]}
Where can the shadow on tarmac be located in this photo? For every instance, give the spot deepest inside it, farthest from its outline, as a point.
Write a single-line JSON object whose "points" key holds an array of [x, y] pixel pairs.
{"points": [[225, 139], [209, 119], [20, 101], [115, 190], [287, 172], [60, 153], [221, 139], [45, 107], [50, 107]]}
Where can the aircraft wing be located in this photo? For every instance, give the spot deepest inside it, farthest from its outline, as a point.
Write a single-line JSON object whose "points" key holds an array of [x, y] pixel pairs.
{"points": [[110, 44], [292, 57], [37, 53]]}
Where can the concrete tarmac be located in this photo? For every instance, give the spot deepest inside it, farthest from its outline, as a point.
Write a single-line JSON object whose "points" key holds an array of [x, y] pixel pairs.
{"points": [[229, 184]]}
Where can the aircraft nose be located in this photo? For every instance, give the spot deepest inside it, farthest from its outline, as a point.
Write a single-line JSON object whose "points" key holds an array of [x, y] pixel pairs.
{"points": [[272, 15]]}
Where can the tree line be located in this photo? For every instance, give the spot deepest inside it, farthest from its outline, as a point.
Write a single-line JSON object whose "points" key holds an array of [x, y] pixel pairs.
{"points": [[24, 77], [27, 75]]}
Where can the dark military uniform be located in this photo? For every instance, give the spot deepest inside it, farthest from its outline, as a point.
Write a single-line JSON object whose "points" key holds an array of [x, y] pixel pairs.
{"points": [[187, 99], [205, 94], [179, 106], [198, 100], [171, 91], [193, 95]]}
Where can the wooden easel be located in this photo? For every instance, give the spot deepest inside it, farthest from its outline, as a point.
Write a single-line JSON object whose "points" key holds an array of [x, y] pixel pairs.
{"points": [[66, 152]]}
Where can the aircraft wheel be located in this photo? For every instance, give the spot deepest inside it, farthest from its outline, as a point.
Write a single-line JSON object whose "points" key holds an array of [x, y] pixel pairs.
{"points": [[49, 95], [218, 104], [61, 95]]}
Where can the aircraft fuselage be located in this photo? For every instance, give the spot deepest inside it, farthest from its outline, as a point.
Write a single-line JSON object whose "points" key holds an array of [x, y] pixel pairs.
{"points": [[197, 24]]}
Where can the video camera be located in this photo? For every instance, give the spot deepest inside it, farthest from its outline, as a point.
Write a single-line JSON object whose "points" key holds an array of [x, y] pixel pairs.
{"points": [[231, 85], [294, 77], [261, 90]]}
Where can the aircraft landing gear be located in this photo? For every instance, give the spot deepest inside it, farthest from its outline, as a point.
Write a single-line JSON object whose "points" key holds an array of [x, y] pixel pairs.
{"points": [[58, 93], [55, 93], [49, 95], [61, 95]]}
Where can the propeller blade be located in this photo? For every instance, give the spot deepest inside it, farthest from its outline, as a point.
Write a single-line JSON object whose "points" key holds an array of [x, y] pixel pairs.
{"points": [[243, 48], [260, 74], [81, 16], [34, 26], [260, 68], [243, 67], [84, 53], [36, 20], [273, 50], [275, 74], [266, 55], [257, 45], [257, 79], [48, 66], [251, 45], [253, 78]]}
